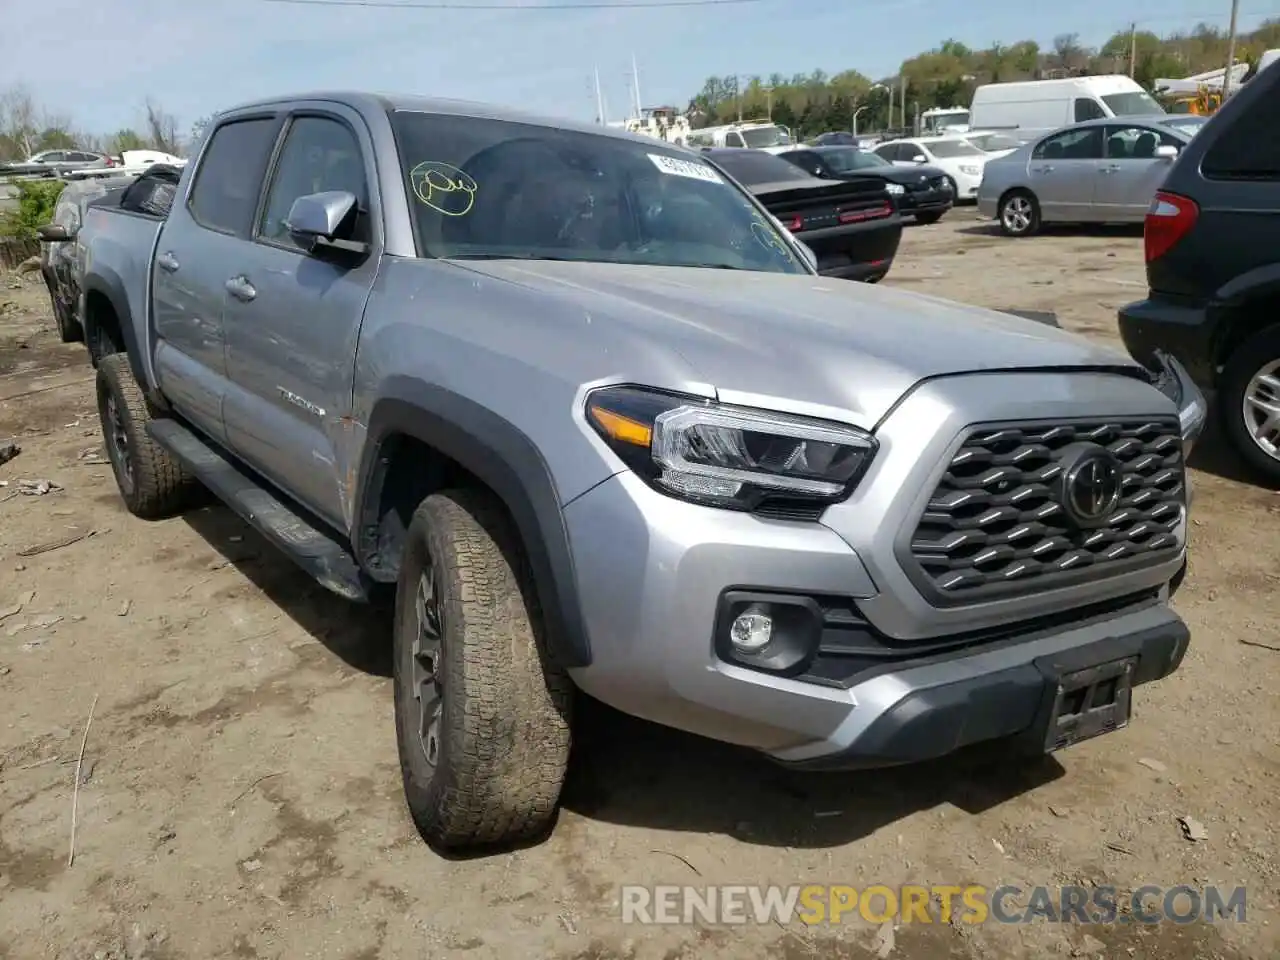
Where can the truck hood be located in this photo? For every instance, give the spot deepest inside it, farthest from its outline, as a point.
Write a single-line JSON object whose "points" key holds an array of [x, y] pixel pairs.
{"points": [[854, 346]]}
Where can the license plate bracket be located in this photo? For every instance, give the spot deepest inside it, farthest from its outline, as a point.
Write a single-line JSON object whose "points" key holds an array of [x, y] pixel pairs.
{"points": [[1089, 703]]}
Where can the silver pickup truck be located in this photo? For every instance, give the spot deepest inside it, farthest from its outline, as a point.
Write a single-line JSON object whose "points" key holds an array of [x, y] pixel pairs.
{"points": [[594, 417]]}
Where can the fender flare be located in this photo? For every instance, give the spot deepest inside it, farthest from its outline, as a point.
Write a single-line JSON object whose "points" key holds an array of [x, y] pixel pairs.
{"points": [[507, 461], [107, 283]]}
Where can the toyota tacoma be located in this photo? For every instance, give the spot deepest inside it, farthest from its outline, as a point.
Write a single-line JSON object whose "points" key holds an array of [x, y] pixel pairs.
{"points": [[593, 418]]}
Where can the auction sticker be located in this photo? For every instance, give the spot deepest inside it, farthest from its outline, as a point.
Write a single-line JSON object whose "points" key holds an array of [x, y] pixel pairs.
{"points": [[685, 168]]}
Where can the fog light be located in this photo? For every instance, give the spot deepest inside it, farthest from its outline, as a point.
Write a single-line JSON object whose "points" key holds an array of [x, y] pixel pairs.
{"points": [[751, 631]]}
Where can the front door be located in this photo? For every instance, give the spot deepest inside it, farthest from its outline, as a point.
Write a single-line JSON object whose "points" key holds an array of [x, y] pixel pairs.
{"points": [[198, 241], [1064, 171], [1130, 173], [293, 319]]}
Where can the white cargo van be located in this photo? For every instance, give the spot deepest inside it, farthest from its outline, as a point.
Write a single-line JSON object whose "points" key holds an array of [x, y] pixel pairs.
{"points": [[1031, 108]]}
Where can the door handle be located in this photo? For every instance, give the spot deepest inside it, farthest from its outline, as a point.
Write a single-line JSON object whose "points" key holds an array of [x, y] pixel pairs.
{"points": [[241, 289], [1044, 169], [1114, 168], [167, 262]]}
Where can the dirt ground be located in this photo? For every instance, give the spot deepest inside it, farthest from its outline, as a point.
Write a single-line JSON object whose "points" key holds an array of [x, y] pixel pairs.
{"points": [[240, 795]]}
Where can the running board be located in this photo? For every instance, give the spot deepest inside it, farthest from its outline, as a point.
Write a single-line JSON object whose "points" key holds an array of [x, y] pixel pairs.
{"points": [[311, 548]]}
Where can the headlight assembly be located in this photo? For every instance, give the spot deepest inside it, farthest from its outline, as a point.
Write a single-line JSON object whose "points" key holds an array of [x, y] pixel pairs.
{"points": [[728, 456]]}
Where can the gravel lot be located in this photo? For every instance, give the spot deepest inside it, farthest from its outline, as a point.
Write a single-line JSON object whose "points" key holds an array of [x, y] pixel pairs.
{"points": [[240, 795]]}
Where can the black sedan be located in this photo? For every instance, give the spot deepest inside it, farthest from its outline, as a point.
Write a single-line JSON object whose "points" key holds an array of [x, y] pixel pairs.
{"points": [[926, 192], [852, 226]]}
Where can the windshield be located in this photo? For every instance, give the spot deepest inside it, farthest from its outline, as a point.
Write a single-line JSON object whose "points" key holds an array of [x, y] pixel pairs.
{"points": [[750, 167], [491, 189], [758, 137], [953, 148], [1187, 124], [844, 161], [992, 142], [1137, 104]]}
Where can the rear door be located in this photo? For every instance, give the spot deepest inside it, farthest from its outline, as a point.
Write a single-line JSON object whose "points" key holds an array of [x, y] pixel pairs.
{"points": [[1130, 173], [198, 244], [293, 318], [1064, 173]]}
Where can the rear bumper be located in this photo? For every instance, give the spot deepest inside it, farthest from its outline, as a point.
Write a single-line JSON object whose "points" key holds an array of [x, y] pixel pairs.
{"points": [[1183, 329], [857, 251]]}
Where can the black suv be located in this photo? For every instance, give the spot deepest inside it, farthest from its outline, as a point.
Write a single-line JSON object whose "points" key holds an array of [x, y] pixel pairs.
{"points": [[1212, 243]]}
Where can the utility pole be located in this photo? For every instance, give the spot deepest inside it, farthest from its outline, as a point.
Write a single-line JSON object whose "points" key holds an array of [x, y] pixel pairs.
{"points": [[1231, 51], [635, 85], [889, 123], [599, 100], [737, 95], [1133, 47], [903, 99]]}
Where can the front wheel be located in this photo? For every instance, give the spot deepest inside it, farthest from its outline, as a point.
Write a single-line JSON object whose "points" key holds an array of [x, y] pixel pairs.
{"points": [[1019, 214], [1249, 402], [68, 329], [482, 714]]}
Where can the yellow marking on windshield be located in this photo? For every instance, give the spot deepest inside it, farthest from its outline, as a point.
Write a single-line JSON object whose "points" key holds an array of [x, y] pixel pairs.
{"points": [[443, 187]]}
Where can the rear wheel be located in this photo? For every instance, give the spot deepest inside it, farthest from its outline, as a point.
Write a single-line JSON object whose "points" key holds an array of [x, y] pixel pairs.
{"points": [[152, 483], [1019, 214], [1249, 402], [482, 714], [68, 330]]}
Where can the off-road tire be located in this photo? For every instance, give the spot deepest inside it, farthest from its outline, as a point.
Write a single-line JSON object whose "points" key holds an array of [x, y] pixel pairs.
{"points": [[504, 727], [1033, 225], [1247, 359], [68, 330], [159, 487], [924, 219]]}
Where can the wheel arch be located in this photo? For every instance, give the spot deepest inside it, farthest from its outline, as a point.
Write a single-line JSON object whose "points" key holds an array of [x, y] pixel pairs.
{"points": [[462, 441], [1247, 305], [106, 309]]}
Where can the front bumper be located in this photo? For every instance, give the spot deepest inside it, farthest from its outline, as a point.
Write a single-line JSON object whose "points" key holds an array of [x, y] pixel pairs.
{"points": [[654, 575]]}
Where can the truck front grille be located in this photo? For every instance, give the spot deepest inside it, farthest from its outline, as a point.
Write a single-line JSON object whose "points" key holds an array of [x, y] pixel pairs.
{"points": [[996, 524]]}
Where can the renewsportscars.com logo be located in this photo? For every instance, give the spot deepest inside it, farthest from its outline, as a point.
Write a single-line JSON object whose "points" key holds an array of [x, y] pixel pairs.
{"points": [[971, 904]]}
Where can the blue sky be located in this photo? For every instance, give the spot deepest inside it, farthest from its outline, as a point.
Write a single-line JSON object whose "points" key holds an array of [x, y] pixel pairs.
{"points": [[98, 61]]}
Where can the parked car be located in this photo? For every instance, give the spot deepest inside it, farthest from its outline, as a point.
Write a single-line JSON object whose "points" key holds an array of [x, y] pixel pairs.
{"points": [[960, 160], [835, 138], [594, 417], [1212, 243], [61, 253], [1100, 171], [1031, 109], [852, 226], [994, 144], [60, 260], [58, 162], [924, 194]]}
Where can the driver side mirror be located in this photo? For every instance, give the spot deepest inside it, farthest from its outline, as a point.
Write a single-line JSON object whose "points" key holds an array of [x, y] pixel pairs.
{"points": [[322, 221], [1165, 151], [54, 233], [919, 158]]}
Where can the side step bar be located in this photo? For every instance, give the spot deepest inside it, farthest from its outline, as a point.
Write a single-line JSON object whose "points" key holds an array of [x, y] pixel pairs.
{"points": [[314, 550]]}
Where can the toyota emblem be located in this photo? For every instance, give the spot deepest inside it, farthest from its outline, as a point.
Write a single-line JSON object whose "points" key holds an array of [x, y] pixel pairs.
{"points": [[1092, 484]]}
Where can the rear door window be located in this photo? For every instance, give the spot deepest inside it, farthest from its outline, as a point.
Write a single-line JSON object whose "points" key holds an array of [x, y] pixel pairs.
{"points": [[1249, 147], [225, 194], [1083, 144]]}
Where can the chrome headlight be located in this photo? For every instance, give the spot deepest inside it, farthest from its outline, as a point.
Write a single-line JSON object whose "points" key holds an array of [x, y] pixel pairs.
{"points": [[971, 171], [727, 456], [894, 189], [1175, 383]]}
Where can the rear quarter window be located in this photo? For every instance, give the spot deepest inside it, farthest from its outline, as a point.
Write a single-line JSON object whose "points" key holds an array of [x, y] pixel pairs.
{"points": [[1249, 147], [225, 194]]}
